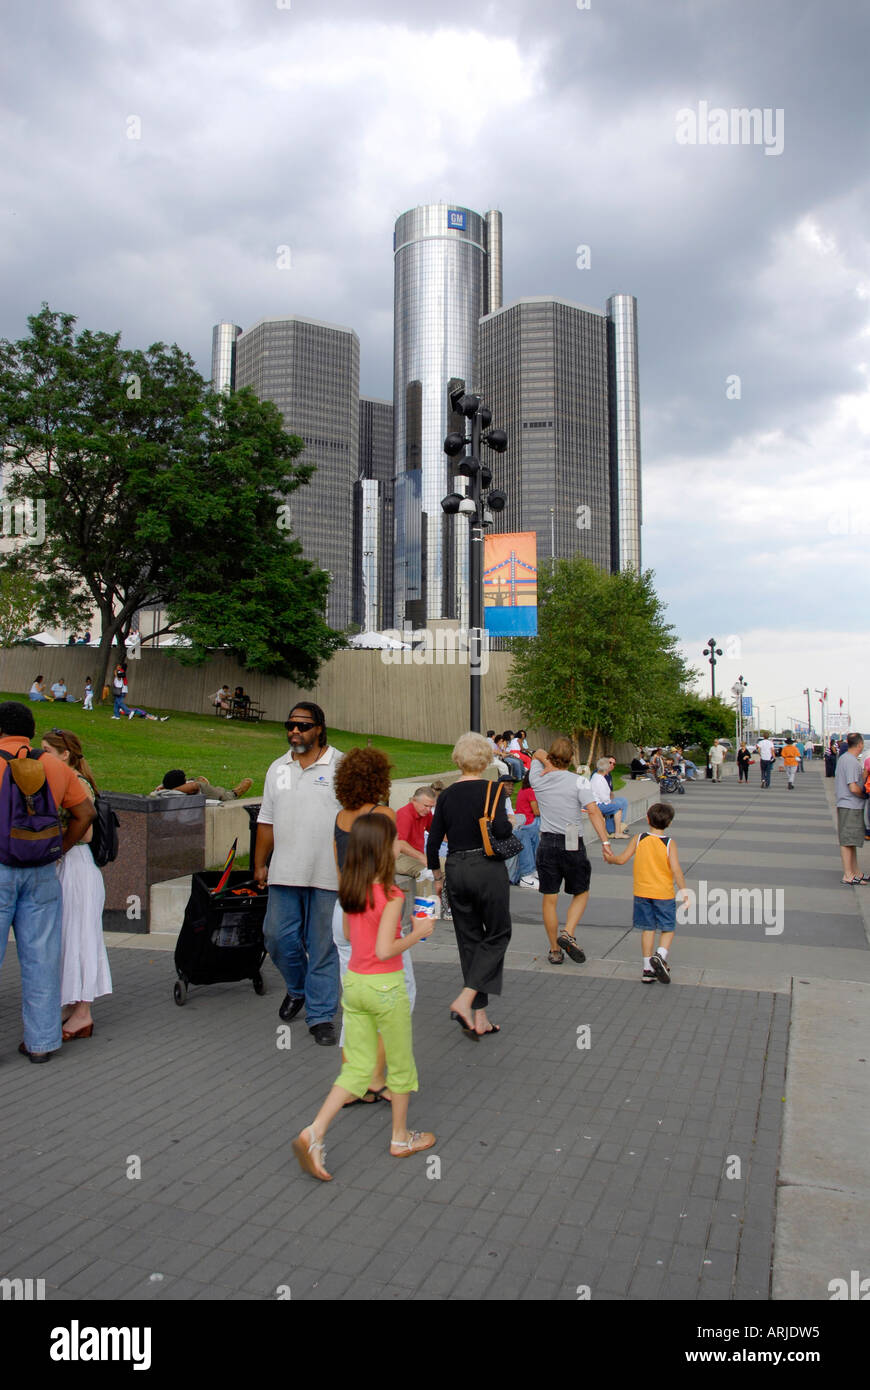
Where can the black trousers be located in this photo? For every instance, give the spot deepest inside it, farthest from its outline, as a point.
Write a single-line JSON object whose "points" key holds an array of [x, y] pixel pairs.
{"points": [[479, 891], [742, 772]]}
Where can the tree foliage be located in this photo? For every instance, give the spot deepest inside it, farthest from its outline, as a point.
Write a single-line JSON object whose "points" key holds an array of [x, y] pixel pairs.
{"points": [[160, 492], [20, 603], [604, 662], [699, 720]]}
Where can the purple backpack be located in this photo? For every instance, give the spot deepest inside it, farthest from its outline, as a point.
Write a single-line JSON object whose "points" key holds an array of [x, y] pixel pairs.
{"points": [[30, 831]]}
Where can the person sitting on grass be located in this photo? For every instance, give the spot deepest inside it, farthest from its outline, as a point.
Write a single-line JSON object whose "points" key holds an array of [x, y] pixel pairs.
{"points": [[59, 691], [656, 871], [37, 690], [176, 783]]}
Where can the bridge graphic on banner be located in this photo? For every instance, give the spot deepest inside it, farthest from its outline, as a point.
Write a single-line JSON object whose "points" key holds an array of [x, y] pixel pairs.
{"points": [[504, 592], [510, 584]]}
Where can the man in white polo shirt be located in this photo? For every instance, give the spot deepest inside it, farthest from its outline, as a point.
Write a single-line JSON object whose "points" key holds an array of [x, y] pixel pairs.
{"points": [[296, 825]]}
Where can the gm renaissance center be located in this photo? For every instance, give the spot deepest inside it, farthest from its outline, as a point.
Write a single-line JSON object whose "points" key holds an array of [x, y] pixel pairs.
{"points": [[560, 378]]}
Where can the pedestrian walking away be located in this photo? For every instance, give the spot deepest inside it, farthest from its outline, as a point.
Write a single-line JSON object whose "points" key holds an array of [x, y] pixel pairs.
{"points": [[33, 786], [561, 856], [375, 1000], [791, 759], [767, 757], [477, 884], [294, 854], [656, 873], [362, 787]]}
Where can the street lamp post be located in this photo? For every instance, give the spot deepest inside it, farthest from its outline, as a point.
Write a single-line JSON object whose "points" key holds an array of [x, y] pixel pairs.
{"points": [[737, 691], [712, 651], [478, 504]]}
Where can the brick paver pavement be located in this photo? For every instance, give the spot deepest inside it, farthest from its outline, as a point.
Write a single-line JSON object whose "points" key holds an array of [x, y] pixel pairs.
{"points": [[560, 1166]]}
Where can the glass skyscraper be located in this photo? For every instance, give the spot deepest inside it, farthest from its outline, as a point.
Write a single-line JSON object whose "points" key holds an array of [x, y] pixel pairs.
{"points": [[223, 356], [310, 371], [625, 431], [561, 379], [373, 517], [448, 267]]}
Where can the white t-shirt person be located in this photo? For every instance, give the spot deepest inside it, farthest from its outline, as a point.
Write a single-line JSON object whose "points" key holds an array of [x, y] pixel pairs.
{"points": [[717, 754], [766, 750]]}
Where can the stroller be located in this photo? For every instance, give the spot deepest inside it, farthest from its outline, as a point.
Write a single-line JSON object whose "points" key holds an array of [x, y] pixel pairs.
{"points": [[221, 937], [673, 783]]}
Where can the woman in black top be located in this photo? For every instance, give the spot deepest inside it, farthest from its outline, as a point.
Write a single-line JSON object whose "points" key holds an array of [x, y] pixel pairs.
{"points": [[744, 758], [479, 888]]}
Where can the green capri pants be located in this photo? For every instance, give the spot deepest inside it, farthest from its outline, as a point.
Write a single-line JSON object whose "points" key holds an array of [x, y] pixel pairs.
{"points": [[376, 1004]]}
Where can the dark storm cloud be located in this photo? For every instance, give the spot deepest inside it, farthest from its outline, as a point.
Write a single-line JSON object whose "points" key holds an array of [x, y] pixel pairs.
{"points": [[314, 126]]}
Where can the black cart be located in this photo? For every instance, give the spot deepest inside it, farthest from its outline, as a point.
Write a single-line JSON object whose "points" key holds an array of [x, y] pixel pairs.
{"points": [[221, 937]]}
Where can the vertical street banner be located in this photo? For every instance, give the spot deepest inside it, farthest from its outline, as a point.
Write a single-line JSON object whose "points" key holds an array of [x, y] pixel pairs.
{"points": [[510, 584]]}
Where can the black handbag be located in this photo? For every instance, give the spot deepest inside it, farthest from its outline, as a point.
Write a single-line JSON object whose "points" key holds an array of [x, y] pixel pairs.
{"points": [[494, 848]]}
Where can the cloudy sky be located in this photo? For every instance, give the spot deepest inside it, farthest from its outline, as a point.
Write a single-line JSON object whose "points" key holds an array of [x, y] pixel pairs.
{"points": [[156, 155]]}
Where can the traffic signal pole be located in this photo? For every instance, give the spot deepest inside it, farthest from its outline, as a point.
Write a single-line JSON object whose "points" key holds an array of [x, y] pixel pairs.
{"points": [[475, 574]]}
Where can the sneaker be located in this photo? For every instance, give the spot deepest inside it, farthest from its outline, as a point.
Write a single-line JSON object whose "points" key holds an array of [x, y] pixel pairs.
{"points": [[131, 715], [116, 716], [648, 977], [163, 718], [661, 969], [531, 881], [324, 1034]]}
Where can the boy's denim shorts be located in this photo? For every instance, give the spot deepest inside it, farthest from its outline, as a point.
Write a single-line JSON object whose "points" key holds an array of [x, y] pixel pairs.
{"points": [[655, 914]]}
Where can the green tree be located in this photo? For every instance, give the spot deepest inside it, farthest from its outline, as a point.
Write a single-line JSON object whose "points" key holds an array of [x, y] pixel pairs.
{"points": [[604, 662], [160, 492], [698, 720], [20, 603]]}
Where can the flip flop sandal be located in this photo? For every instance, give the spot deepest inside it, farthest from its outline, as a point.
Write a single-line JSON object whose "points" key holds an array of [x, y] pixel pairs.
{"points": [[469, 1032], [361, 1100], [853, 882], [303, 1151], [493, 1028]]}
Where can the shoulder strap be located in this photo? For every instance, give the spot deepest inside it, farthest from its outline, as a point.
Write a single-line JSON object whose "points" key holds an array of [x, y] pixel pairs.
{"points": [[33, 753]]}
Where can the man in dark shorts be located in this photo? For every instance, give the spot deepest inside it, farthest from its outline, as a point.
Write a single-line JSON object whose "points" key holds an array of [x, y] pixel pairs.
{"points": [[561, 856]]}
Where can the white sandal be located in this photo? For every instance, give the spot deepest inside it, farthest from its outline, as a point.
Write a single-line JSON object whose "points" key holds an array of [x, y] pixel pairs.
{"points": [[304, 1150], [413, 1145]]}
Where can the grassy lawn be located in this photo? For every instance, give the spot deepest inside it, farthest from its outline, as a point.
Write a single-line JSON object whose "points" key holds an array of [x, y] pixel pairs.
{"points": [[131, 755]]}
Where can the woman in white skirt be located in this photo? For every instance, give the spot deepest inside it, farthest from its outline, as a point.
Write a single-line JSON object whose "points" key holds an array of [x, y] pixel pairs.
{"points": [[85, 971]]}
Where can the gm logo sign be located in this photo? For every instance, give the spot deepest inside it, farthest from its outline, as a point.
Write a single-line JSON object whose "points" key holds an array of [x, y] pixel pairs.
{"points": [[455, 220]]}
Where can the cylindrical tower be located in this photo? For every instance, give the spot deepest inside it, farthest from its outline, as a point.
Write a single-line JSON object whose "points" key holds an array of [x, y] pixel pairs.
{"points": [[223, 356], [624, 433], [441, 288]]}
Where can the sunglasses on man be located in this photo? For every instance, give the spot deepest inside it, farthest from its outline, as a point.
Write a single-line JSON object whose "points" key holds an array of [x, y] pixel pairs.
{"points": [[303, 725]]}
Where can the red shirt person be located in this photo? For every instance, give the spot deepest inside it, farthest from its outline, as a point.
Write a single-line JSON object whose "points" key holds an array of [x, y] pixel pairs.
{"points": [[412, 822]]}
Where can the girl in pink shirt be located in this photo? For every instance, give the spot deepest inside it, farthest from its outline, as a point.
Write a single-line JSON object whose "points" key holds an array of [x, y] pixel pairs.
{"points": [[374, 996]]}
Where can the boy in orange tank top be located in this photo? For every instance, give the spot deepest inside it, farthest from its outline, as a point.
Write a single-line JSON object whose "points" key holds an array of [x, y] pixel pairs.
{"points": [[656, 871]]}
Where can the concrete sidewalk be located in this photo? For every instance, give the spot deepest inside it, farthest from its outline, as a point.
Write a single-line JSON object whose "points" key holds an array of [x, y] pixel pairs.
{"points": [[614, 1136]]}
